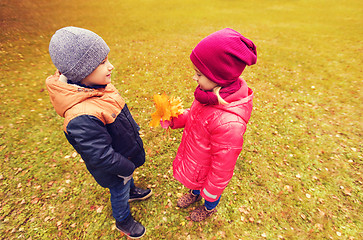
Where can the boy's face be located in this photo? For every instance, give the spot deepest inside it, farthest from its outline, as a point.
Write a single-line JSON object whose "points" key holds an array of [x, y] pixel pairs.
{"points": [[101, 75], [204, 83]]}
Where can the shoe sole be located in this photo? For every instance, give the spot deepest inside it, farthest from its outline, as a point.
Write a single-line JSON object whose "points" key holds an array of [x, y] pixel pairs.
{"points": [[130, 236], [143, 198]]}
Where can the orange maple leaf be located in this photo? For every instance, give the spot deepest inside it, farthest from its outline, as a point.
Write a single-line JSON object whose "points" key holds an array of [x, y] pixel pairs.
{"points": [[166, 108]]}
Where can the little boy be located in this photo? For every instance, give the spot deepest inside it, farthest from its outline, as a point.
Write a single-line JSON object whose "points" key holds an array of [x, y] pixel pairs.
{"points": [[97, 122]]}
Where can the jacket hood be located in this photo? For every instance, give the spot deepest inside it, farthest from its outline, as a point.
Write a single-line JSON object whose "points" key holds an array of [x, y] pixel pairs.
{"points": [[238, 104], [64, 96]]}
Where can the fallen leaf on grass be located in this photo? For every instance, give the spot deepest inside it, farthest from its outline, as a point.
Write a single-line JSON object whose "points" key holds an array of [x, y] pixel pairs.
{"points": [[99, 209], [149, 151], [319, 226], [190, 224], [288, 188], [51, 183], [243, 210], [347, 192], [321, 213]]}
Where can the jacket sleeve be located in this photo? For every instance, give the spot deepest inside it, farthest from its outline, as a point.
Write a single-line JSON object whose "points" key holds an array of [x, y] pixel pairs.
{"points": [[90, 138], [226, 145], [179, 122]]}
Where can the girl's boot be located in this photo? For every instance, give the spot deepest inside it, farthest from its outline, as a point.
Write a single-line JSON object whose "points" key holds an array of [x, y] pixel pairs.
{"points": [[201, 213], [188, 199]]}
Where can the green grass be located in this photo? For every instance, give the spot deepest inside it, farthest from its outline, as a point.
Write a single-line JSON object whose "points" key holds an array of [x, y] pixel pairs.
{"points": [[300, 173]]}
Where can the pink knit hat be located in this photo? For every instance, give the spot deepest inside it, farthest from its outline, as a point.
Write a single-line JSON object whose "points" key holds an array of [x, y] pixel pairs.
{"points": [[223, 55]]}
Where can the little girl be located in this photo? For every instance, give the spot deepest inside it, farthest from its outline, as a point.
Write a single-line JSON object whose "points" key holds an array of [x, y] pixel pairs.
{"points": [[215, 123]]}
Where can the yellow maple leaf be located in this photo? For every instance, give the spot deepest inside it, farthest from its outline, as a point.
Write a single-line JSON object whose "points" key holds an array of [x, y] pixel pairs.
{"points": [[176, 106], [166, 108]]}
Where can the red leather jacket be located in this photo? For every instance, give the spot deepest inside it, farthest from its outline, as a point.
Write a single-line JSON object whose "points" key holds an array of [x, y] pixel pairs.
{"points": [[211, 143]]}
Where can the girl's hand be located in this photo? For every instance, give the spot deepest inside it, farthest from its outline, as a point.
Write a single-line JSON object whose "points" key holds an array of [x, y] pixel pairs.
{"points": [[165, 124]]}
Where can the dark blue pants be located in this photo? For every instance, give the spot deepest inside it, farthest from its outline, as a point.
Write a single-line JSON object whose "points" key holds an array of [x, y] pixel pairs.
{"points": [[207, 204], [120, 195]]}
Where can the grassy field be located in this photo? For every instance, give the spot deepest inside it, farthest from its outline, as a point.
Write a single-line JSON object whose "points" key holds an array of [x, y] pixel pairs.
{"points": [[300, 173]]}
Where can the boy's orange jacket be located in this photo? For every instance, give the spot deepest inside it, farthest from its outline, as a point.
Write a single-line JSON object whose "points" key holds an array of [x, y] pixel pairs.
{"points": [[101, 129]]}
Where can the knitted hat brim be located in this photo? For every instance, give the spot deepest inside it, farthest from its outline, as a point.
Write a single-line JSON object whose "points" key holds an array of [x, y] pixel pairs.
{"points": [[88, 62]]}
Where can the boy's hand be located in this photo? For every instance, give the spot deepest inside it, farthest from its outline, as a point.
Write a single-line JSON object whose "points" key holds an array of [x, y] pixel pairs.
{"points": [[126, 179]]}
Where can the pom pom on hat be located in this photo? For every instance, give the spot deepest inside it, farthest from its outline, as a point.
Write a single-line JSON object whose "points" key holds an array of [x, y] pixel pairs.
{"points": [[77, 52], [223, 55]]}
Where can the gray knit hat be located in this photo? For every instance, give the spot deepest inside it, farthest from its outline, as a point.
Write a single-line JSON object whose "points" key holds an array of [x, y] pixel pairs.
{"points": [[76, 52]]}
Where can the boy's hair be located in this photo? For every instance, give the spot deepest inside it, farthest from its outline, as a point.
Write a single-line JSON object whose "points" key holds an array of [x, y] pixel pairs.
{"points": [[77, 52]]}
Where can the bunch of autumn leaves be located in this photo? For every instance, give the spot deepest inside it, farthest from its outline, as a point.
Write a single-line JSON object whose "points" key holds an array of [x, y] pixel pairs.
{"points": [[166, 108]]}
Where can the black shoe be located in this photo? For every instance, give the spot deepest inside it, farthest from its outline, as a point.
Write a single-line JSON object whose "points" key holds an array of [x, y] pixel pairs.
{"points": [[139, 194], [131, 228]]}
